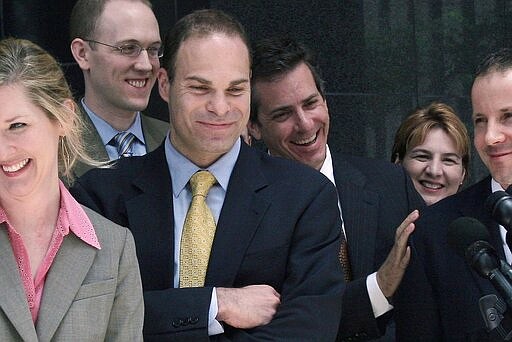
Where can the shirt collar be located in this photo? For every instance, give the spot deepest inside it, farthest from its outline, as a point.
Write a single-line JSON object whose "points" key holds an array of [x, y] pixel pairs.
{"points": [[327, 169], [72, 215], [181, 168], [495, 186], [107, 132]]}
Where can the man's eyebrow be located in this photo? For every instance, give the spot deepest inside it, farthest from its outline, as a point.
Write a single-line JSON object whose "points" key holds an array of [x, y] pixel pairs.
{"points": [[310, 97], [280, 109], [135, 41], [198, 79], [239, 81]]}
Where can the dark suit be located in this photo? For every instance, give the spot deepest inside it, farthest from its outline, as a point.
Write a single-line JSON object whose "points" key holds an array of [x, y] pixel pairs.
{"points": [[438, 299], [154, 131], [375, 198], [279, 225]]}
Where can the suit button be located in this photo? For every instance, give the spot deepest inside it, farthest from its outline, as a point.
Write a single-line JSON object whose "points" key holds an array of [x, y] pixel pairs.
{"points": [[178, 323]]}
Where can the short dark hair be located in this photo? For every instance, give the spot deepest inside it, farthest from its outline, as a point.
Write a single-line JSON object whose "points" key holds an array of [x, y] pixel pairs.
{"points": [[500, 61], [200, 23], [84, 17], [274, 57]]}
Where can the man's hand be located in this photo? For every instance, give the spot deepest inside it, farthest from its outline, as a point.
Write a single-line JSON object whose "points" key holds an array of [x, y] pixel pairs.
{"points": [[391, 272], [247, 307]]}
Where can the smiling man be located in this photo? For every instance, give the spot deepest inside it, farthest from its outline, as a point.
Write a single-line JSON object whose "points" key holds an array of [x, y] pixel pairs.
{"points": [[117, 45], [289, 113], [265, 229], [439, 297]]}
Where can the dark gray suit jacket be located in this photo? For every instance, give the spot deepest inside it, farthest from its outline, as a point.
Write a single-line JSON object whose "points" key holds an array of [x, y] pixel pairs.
{"points": [[375, 197], [154, 131], [279, 225]]}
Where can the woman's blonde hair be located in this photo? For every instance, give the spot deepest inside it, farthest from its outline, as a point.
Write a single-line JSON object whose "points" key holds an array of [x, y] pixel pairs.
{"points": [[28, 65]]}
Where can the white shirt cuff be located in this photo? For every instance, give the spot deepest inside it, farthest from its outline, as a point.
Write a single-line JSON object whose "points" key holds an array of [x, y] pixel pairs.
{"points": [[380, 304], [214, 326]]}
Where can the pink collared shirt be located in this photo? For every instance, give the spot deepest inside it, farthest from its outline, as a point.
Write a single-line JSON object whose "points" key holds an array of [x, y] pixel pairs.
{"points": [[71, 217]]}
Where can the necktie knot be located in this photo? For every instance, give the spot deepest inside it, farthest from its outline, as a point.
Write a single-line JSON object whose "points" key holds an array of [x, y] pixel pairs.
{"points": [[201, 182], [123, 142]]}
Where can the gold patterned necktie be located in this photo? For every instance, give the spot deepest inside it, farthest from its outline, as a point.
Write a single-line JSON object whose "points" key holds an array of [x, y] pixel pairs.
{"points": [[198, 232], [344, 259]]}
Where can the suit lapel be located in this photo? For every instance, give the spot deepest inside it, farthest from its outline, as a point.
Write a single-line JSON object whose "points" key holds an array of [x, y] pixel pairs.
{"points": [[154, 132], [13, 300], [153, 204], [242, 211], [63, 281], [359, 207], [92, 142], [475, 208]]}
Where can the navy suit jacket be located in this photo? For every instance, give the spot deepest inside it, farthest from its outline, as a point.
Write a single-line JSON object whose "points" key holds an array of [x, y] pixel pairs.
{"points": [[438, 298], [375, 197], [279, 225]]}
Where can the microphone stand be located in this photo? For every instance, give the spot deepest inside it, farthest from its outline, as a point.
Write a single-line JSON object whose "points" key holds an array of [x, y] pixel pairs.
{"points": [[498, 320], [496, 317]]}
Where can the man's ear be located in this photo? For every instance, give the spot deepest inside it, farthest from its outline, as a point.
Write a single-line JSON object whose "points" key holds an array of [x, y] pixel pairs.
{"points": [[163, 84], [80, 51], [397, 159], [254, 130]]}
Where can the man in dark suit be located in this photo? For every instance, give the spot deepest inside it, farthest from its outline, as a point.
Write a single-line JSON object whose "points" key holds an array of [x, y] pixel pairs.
{"points": [[439, 297], [273, 272], [117, 44], [289, 113]]}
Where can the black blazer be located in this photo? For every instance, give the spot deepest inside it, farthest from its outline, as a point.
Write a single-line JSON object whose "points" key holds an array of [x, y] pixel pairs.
{"points": [[375, 197], [279, 225], [438, 299]]}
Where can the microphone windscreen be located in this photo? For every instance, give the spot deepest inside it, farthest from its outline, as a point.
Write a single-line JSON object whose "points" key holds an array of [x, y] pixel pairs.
{"points": [[463, 232], [493, 200]]}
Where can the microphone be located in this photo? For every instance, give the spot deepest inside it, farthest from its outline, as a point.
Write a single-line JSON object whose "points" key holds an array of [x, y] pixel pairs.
{"points": [[499, 204], [468, 237], [463, 232]]}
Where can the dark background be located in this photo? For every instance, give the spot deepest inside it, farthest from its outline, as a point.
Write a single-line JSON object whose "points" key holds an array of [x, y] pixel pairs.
{"points": [[380, 58]]}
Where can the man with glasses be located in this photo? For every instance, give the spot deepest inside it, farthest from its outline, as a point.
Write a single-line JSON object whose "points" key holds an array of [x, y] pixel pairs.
{"points": [[117, 45]]}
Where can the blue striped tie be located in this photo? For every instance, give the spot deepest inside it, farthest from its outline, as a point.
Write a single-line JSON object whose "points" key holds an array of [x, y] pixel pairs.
{"points": [[123, 142]]}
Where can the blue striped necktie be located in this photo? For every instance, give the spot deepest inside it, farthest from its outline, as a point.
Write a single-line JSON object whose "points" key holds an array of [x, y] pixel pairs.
{"points": [[123, 142]]}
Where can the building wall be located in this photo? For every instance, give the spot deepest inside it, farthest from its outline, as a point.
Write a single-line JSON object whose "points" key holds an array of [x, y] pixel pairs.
{"points": [[380, 58]]}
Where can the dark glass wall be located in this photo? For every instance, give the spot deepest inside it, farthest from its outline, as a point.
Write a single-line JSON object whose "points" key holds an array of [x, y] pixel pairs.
{"points": [[383, 58], [380, 58]]}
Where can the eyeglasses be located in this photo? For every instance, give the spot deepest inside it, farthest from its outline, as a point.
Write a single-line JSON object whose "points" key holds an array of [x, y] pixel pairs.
{"points": [[133, 49]]}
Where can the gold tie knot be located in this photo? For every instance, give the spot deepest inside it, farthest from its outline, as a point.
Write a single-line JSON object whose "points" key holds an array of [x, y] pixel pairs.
{"points": [[201, 182]]}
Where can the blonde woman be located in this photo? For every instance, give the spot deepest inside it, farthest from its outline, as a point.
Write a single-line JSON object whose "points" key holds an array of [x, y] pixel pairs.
{"points": [[67, 273]]}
